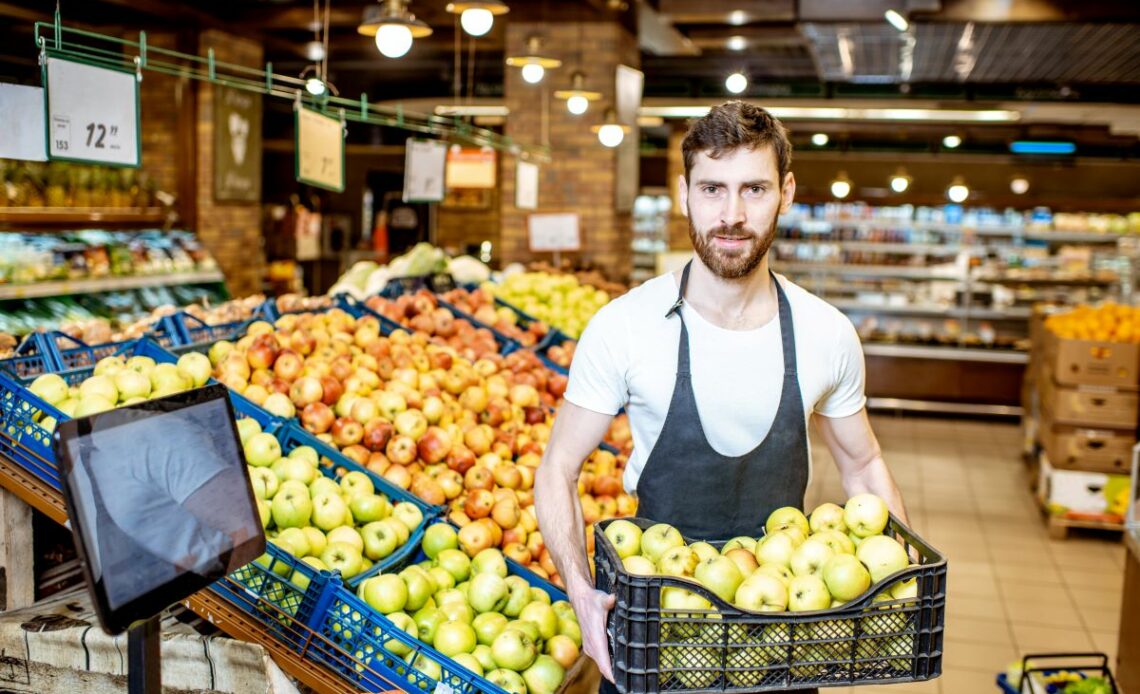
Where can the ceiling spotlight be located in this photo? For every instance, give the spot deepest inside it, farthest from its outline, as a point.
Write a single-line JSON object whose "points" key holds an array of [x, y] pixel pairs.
{"points": [[393, 27], [820, 139], [315, 86], [958, 192], [896, 20], [736, 83], [736, 43], [477, 16], [841, 186], [577, 97], [737, 17], [610, 132], [951, 141], [900, 181], [1019, 185], [534, 65]]}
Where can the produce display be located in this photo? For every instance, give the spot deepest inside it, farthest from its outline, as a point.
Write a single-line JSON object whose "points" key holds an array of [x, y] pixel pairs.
{"points": [[559, 300], [468, 434], [119, 381], [470, 610], [1108, 322], [592, 278], [32, 257], [422, 313], [480, 304], [800, 564], [367, 278], [344, 526], [67, 185]]}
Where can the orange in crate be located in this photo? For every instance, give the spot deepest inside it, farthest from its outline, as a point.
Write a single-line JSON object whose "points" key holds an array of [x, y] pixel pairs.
{"points": [[1109, 322]]}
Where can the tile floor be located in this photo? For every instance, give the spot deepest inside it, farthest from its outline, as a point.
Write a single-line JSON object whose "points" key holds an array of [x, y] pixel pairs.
{"points": [[1012, 590]]}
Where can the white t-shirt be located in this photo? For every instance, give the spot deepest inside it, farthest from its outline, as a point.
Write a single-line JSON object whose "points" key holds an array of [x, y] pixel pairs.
{"points": [[627, 357]]}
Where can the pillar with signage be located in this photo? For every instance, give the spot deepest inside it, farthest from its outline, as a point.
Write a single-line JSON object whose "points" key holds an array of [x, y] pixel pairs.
{"points": [[583, 177]]}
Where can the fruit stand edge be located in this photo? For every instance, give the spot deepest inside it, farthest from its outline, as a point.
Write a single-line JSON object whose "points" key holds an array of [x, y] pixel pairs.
{"points": [[230, 620]]}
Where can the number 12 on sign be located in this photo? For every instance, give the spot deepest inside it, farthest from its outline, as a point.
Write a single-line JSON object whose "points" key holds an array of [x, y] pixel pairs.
{"points": [[93, 112]]}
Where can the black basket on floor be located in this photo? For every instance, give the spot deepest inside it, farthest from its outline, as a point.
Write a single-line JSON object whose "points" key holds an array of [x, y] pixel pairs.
{"points": [[1085, 665], [727, 649]]}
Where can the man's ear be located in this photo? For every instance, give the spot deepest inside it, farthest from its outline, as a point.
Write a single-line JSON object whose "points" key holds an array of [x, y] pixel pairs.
{"points": [[787, 193], [683, 194]]}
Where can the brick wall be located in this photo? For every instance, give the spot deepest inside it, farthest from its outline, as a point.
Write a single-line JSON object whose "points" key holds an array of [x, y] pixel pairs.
{"points": [[231, 231], [160, 97], [458, 228], [582, 175]]}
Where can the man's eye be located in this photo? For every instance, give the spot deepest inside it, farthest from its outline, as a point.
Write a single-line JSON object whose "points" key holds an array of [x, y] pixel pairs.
{"points": [[756, 190], [709, 190]]}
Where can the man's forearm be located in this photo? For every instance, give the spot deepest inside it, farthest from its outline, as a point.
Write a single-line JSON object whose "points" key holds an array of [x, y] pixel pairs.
{"points": [[875, 478], [560, 520]]}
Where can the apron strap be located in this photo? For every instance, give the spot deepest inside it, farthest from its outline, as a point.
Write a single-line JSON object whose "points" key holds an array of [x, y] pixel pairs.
{"points": [[683, 343]]}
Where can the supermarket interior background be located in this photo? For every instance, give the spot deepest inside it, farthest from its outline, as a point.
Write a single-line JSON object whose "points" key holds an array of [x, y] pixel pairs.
{"points": [[487, 174]]}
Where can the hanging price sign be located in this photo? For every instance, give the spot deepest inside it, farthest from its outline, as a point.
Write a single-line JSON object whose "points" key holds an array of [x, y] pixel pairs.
{"points": [[92, 113], [320, 150]]}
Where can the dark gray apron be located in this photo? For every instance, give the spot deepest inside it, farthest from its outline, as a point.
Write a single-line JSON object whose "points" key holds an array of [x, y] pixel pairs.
{"points": [[709, 496]]}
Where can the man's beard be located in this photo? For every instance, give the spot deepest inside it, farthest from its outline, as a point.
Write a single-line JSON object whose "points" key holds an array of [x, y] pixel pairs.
{"points": [[731, 264]]}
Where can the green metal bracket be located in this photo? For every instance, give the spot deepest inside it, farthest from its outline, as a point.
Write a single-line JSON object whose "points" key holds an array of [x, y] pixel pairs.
{"points": [[101, 50]]}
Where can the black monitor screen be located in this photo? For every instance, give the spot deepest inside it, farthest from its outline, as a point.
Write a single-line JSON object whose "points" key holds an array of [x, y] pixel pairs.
{"points": [[159, 501]]}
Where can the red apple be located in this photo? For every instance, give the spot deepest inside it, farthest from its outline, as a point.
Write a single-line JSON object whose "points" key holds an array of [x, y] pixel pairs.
{"points": [[398, 475], [331, 390], [378, 462], [377, 434], [479, 477], [288, 365], [346, 432], [460, 458], [305, 390], [317, 418], [401, 449], [479, 503], [356, 453], [434, 445]]}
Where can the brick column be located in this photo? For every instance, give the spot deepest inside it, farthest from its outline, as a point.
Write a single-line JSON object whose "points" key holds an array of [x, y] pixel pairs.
{"points": [[230, 230], [582, 174], [678, 226]]}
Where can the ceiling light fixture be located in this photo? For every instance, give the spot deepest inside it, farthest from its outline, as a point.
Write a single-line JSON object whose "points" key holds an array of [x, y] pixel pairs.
{"points": [[841, 186], [736, 43], [737, 17], [577, 97], [477, 16], [958, 191], [610, 133], [1019, 185], [896, 20], [930, 115], [1040, 147], [393, 27], [315, 84], [736, 83], [534, 65], [315, 51], [951, 141], [900, 181], [820, 139]]}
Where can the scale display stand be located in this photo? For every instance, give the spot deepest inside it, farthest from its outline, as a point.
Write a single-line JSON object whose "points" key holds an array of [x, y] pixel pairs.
{"points": [[160, 506]]}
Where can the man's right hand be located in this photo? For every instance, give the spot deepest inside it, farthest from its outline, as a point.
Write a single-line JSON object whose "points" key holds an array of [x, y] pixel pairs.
{"points": [[592, 608]]}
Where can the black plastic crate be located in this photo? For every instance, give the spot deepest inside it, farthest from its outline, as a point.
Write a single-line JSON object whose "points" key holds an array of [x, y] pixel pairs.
{"points": [[727, 649]]}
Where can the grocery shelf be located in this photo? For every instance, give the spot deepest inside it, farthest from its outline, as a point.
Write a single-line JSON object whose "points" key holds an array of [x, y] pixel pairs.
{"points": [[900, 404], [106, 284], [1072, 236], [71, 215], [992, 356], [881, 247], [1014, 313], [902, 225], [869, 270], [1046, 281]]}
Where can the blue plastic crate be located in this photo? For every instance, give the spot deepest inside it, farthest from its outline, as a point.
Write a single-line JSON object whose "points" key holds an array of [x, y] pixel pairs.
{"points": [[27, 442], [333, 464], [358, 309], [286, 595], [554, 338], [359, 633], [53, 351]]}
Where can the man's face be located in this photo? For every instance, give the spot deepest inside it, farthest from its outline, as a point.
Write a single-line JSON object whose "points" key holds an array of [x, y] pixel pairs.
{"points": [[732, 203]]}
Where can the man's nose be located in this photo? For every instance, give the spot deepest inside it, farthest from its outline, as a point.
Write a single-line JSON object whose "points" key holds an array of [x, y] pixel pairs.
{"points": [[733, 211]]}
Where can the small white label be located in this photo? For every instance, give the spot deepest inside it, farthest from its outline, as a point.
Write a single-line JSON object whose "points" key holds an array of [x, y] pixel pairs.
{"points": [[550, 233], [443, 688], [93, 113], [424, 164], [22, 113]]}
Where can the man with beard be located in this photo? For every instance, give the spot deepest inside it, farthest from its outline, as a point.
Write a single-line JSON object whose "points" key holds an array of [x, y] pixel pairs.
{"points": [[720, 366]]}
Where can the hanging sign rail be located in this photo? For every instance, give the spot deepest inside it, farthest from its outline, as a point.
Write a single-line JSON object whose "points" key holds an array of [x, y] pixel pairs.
{"points": [[100, 50]]}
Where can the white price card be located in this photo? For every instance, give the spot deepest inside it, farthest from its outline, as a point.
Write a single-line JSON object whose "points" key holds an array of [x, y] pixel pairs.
{"points": [[552, 233], [320, 150], [22, 113], [424, 163], [526, 186], [92, 113]]}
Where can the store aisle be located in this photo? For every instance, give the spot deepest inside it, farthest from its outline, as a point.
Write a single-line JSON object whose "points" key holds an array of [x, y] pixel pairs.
{"points": [[1012, 590]]}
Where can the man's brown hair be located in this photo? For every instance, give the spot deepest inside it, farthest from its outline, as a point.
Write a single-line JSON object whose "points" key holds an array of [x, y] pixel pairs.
{"points": [[736, 124]]}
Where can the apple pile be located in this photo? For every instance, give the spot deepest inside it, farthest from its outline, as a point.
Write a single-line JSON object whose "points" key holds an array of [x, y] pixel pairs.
{"points": [[558, 300], [801, 564], [346, 526], [452, 432], [480, 304], [118, 380], [470, 610], [422, 313]]}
